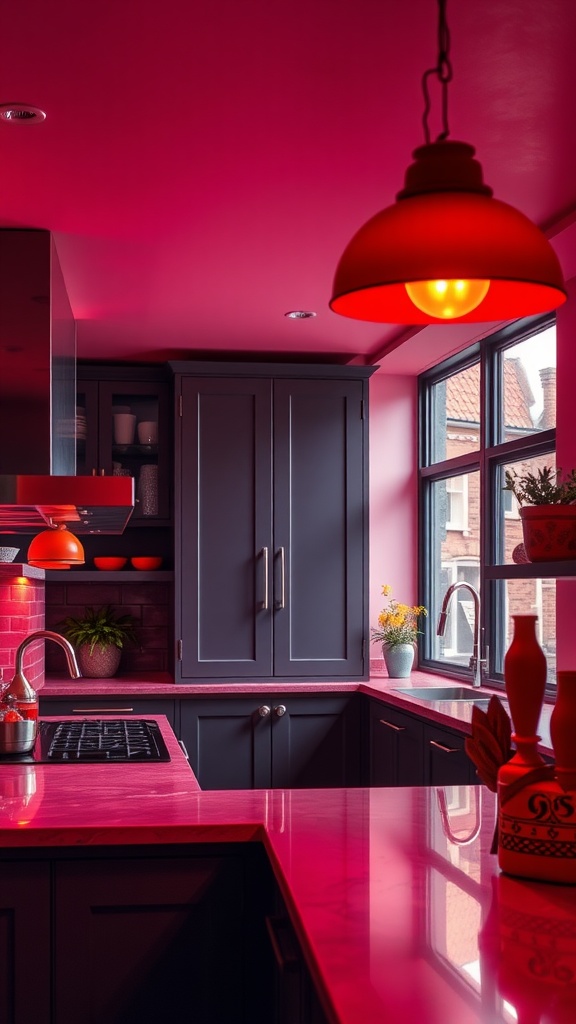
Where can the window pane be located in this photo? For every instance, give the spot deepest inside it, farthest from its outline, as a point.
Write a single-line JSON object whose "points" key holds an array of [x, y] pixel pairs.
{"points": [[455, 415], [510, 537], [455, 556], [531, 597], [529, 386]]}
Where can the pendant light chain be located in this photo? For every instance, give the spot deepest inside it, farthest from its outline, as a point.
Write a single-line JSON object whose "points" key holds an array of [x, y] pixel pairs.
{"points": [[446, 251], [443, 72]]}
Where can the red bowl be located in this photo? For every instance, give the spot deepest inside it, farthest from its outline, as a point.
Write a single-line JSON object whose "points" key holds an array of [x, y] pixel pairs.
{"points": [[147, 562], [110, 563]]}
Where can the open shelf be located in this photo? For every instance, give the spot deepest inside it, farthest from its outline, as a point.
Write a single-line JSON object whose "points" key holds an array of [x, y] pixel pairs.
{"points": [[531, 570], [101, 576]]}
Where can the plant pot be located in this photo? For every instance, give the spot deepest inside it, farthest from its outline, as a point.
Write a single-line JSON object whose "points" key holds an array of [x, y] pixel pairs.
{"points": [[399, 660], [549, 532], [101, 664]]}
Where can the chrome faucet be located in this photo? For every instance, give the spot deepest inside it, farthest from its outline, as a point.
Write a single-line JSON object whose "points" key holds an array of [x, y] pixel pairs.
{"points": [[20, 687], [477, 663]]}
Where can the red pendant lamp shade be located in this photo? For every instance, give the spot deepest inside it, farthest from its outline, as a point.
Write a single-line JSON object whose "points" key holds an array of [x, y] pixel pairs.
{"points": [[55, 549], [446, 227]]}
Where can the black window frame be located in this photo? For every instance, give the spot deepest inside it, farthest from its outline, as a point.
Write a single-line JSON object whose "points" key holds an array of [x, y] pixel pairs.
{"points": [[491, 455]]}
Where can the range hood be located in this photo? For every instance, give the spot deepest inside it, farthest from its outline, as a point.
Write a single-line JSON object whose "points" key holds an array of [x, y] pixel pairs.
{"points": [[38, 482]]}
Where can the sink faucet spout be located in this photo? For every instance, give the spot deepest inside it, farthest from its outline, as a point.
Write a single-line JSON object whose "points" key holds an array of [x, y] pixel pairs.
{"points": [[477, 662], [48, 634], [19, 692]]}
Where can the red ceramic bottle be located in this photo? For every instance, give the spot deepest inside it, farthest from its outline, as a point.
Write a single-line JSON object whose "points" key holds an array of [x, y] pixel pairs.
{"points": [[521, 778], [525, 681], [563, 730]]}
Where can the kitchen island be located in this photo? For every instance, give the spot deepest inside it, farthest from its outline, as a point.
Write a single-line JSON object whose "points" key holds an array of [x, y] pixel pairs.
{"points": [[395, 900]]}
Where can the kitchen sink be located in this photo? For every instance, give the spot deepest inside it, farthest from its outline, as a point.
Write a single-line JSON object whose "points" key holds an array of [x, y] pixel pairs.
{"points": [[460, 693]]}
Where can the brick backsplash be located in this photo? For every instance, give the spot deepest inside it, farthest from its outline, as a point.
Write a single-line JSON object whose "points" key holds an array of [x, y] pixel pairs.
{"points": [[21, 613], [148, 603]]}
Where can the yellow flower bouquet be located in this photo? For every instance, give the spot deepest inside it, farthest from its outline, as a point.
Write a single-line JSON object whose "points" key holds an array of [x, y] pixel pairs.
{"points": [[398, 623]]}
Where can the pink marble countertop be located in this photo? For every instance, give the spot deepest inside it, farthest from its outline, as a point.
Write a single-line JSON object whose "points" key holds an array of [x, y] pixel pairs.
{"points": [[396, 900], [456, 714]]}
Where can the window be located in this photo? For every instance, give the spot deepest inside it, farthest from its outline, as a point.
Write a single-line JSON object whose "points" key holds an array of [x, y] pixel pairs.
{"points": [[457, 503], [489, 409]]}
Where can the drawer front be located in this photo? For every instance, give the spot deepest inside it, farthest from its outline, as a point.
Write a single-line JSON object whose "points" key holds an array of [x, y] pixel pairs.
{"points": [[446, 761], [58, 707]]}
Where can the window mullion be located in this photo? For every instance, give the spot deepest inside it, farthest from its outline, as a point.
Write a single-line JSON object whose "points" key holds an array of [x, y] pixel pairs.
{"points": [[502, 411]]}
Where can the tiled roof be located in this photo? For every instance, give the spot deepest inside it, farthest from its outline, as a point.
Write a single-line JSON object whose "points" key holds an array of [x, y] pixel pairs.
{"points": [[463, 395]]}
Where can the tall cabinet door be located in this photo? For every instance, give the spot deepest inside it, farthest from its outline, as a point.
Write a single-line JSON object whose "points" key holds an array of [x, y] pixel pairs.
{"points": [[319, 510], [225, 528]]}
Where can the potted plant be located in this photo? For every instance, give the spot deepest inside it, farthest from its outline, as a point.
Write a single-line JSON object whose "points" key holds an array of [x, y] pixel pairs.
{"points": [[98, 638], [547, 502], [397, 632]]}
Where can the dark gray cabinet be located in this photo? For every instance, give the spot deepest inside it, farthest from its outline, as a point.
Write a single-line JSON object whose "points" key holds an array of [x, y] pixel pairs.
{"points": [[271, 517], [295, 998], [130, 934], [396, 747], [273, 741], [446, 762], [146, 939], [103, 390], [25, 951], [405, 750]]}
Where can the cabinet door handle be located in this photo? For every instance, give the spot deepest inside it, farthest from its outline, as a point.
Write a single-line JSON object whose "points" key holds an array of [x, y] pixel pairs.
{"points": [[102, 711], [397, 728], [280, 710], [282, 602], [447, 750], [263, 711], [265, 564], [286, 952]]}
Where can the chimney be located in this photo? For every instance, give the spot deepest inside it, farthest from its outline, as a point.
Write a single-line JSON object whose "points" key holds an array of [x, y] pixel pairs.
{"points": [[548, 380]]}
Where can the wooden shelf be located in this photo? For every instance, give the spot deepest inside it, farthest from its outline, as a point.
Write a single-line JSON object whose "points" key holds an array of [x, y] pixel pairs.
{"points": [[101, 576]]}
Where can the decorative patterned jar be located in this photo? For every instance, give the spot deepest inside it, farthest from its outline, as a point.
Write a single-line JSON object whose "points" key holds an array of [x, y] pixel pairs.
{"points": [[399, 659], [549, 532], [537, 810]]}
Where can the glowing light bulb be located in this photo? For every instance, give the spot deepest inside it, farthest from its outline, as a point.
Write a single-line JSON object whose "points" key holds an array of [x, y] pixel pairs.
{"points": [[447, 300]]}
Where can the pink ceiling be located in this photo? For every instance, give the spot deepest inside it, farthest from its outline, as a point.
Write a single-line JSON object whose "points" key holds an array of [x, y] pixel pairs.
{"points": [[202, 165]]}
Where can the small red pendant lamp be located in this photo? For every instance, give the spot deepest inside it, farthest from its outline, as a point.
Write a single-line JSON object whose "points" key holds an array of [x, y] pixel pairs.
{"points": [[55, 549], [446, 250]]}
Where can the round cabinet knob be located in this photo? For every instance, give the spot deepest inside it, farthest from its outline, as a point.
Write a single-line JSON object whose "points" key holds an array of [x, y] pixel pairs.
{"points": [[263, 711], [280, 710]]}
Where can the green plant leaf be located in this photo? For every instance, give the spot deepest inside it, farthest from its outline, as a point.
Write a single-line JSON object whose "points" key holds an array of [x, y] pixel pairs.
{"points": [[100, 627]]}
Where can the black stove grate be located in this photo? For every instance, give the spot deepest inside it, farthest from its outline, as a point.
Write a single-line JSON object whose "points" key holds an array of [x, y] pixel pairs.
{"points": [[123, 740]]}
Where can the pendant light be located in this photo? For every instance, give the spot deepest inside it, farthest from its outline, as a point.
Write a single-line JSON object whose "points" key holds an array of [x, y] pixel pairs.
{"points": [[56, 548], [446, 251]]}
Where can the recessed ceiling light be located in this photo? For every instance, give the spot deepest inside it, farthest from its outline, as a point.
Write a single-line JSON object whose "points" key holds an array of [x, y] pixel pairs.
{"points": [[21, 113], [300, 314]]}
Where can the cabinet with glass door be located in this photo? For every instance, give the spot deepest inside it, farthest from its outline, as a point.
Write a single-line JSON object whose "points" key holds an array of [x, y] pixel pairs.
{"points": [[123, 427]]}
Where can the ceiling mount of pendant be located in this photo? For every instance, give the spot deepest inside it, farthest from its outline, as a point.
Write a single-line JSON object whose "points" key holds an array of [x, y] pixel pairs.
{"points": [[21, 113]]}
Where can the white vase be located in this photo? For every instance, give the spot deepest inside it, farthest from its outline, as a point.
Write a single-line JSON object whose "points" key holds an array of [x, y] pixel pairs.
{"points": [[399, 660]]}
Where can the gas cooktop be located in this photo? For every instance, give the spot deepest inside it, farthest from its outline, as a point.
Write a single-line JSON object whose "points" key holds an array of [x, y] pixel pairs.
{"points": [[95, 741]]}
